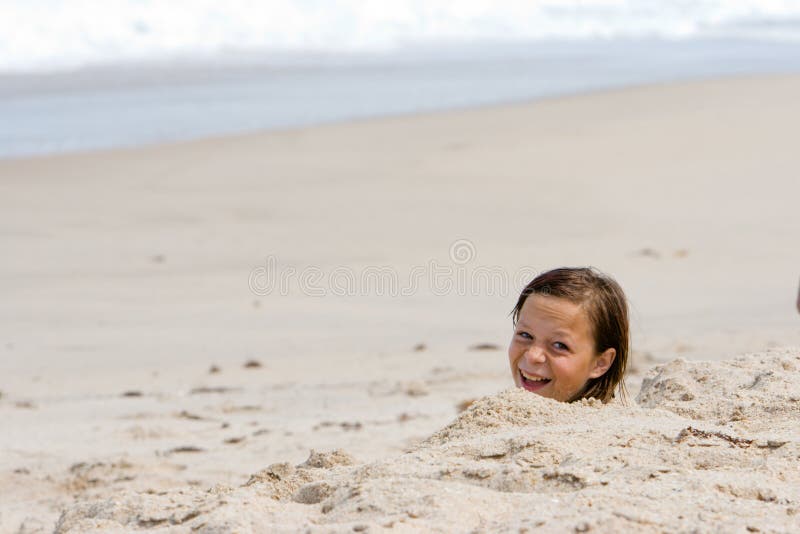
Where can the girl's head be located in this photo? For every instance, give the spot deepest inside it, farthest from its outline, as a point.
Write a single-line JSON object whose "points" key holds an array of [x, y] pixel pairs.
{"points": [[570, 335]]}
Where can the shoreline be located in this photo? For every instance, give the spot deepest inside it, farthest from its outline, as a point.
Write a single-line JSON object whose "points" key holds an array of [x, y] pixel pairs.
{"points": [[112, 107], [444, 113]]}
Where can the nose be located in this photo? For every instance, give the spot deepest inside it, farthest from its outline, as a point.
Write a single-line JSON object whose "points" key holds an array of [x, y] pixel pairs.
{"points": [[534, 354]]}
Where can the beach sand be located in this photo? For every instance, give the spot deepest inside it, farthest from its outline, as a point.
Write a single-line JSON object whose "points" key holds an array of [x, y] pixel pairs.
{"points": [[145, 384]]}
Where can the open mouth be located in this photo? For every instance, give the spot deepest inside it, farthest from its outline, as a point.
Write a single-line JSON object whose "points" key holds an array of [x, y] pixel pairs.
{"points": [[532, 382]]}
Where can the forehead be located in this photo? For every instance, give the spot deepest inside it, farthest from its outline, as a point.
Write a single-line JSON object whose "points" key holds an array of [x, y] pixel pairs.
{"points": [[554, 313]]}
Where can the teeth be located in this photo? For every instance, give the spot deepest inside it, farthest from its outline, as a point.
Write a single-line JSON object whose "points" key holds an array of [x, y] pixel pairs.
{"points": [[532, 378]]}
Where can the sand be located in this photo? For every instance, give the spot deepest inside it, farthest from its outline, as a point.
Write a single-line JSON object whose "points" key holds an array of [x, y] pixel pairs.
{"points": [[145, 385], [711, 447]]}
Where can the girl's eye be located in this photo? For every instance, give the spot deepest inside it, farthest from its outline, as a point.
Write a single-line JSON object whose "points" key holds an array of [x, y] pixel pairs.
{"points": [[524, 335], [560, 346]]}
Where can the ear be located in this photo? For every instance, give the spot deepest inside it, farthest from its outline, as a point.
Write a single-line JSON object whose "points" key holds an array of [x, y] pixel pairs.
{"points": [[603, 363]]}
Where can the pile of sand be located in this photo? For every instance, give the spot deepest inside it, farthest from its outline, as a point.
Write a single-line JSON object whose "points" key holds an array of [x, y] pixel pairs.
{"points": [[714, 445]]}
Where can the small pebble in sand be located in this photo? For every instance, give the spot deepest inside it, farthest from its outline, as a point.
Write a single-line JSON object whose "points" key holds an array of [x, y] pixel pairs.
{"points": [[234, 440], [252, 364], [583, 527], [415, 389], [464, 404], [22, 471], [132, 393], [214, 370], [190, 416], [323, 424], [485, 346], [185, 449], [419, 347], [648, 253]]}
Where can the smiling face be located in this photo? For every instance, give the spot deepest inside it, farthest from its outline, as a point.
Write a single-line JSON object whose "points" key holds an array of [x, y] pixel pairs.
{"points": [[552, 351]]}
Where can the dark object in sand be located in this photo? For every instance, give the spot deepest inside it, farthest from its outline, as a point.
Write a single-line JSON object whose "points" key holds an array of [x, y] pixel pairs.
{"points": [[185, 448], [214, 370], [464, 404], [132, 393], [648, 252], [233, 441], [346, 425], [419, 347], [252, 364], [485, 346], [25, 404], [190, 416], [217, 389], [416, 389], [242, 408]]}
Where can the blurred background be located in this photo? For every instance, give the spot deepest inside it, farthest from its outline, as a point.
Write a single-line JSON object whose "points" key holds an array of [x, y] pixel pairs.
{"points": [[173, 70]]}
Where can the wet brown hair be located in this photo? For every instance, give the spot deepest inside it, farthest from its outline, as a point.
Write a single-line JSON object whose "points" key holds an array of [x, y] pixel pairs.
{"points": [[604, 302]]}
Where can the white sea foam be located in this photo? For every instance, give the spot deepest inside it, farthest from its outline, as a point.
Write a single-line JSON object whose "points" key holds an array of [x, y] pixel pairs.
{"points": [[42, 35]]}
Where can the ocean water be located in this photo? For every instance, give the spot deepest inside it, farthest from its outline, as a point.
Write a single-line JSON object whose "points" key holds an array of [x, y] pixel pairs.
{"points": [[86, 75]]}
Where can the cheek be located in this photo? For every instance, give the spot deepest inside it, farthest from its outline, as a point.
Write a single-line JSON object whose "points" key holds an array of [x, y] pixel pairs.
{"points": [[513, 357], [570, 378]]}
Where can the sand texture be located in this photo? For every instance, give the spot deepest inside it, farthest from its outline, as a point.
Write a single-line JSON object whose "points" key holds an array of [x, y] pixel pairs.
{"points": [[145, 384], [712, 447]]}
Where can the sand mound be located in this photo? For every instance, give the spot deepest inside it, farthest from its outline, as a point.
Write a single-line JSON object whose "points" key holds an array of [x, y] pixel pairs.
{"points": [[713, 445], [754, 392]]}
